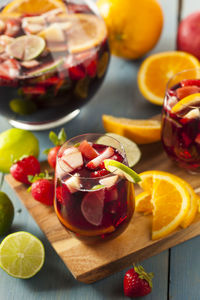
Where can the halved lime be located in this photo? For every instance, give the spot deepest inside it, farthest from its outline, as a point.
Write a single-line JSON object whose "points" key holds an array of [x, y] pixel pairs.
{"points": [[133, 153], [6, 213], [122, 170], [21, 254], [47, 68], [26, 47]]}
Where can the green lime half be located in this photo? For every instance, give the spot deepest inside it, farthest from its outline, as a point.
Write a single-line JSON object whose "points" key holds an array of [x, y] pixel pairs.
{"points": [[26, 47], [116, 167], [6, 213], [21, 254], [133, 153], [14, 143]]}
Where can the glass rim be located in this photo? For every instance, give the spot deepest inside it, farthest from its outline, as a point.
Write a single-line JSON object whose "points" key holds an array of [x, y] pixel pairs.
{"points": [[122, 152], [177, 74]]}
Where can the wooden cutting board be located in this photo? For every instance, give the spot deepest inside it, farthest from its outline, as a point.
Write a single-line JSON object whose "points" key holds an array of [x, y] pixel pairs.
{"points": [[96, 260]]}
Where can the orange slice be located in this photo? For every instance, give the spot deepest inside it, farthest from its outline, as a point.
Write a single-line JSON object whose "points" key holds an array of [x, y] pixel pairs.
{"points": [[139, 131], [157, 69], [191, 100], [86, 31], [21, 7], [143, 202], [170, 200]]}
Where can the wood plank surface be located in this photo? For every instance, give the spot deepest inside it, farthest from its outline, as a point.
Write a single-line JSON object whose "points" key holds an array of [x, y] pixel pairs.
{"points": [[92, 261]]}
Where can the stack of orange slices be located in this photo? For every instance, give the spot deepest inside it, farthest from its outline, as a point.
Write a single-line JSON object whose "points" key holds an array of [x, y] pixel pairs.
{"points": [[171, 200]]}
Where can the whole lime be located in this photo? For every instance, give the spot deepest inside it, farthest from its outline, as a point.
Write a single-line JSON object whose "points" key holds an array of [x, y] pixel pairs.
{"points": [[6, 213], [14, 143]]}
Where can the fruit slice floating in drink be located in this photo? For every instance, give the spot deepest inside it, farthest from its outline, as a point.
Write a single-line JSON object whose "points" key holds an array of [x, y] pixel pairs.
{"points": [[92, 199]]}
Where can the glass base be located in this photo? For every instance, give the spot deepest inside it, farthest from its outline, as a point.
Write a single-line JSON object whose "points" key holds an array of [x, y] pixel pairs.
{"points": [[44, 126]]}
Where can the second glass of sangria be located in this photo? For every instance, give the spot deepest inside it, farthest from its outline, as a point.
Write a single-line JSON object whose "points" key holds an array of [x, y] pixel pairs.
{"points": [[181, 120], [91, 201]]}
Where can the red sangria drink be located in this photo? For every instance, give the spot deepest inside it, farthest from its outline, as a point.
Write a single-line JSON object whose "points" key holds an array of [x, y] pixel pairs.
{"points": [[91, 201], [53, 57], [181, 120]]}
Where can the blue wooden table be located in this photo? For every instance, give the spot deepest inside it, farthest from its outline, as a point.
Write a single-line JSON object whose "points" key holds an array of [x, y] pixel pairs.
{"points": [[177, 270]]}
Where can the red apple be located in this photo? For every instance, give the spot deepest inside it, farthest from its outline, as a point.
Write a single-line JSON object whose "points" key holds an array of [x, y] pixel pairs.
{"points": [[188, 36]]}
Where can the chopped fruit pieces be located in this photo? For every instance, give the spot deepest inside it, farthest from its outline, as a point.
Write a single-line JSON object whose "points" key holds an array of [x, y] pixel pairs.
{"points": [[188, 82], [9, 69], [53, 33], [109, 181], [94, 163], [187, 90], [30, 64], [92, 207], [143, 202], [87, 150], [194, 113], [64, 166], [70, 150], [74, 160], [12, 27], [190, 100], [73, 183], [53, 66]]}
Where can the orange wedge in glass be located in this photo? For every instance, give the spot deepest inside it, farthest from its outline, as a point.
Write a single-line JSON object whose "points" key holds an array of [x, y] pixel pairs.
{"points": [[170, 199], [139, 131], [191, 100], [21, 7], [158, 68]]}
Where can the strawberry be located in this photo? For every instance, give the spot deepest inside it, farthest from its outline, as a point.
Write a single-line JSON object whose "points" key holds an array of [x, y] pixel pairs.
{"points": [[95, 162], [9, 69], [189, 82], [57, 140], [28, 165], [42, 188], [12, 27], [187, 90], [87, 150], [77, 72], [137, 282], [34, 90]]}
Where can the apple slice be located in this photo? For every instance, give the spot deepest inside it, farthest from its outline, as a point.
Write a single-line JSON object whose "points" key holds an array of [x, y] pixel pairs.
{"points": [[73, 183], [53, 33], [94, 163], [70, 150], [92, 207], [109, 181], [193, 114], [74, 160], [63, 166], [30, 64], [87, 150]]}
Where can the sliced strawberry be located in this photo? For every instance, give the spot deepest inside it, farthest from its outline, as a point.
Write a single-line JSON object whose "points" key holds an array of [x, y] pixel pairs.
{"points": [[197, 139], [12, 27], [87, 150], [74, 160], [92, 207], [77, 72], [94, 163], [99, 173], [186, 91], [189, 82], [9, 69], [73, 183], [34, 90]]}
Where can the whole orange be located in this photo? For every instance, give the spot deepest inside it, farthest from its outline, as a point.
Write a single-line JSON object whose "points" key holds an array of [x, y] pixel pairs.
{"points": [[134, 26]]}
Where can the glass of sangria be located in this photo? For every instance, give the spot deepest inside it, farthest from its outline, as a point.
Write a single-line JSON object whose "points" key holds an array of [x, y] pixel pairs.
{"points": [[53, 58], [181, 120], [91, 201]]}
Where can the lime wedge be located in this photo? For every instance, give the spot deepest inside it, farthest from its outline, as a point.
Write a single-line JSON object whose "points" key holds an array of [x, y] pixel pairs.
{"points": [[133, 153], [6, 213], [47, 68], [122, 170], [26, 47], [21, 254]]}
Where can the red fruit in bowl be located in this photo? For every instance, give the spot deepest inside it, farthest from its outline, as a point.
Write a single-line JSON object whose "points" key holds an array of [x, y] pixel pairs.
{"points": [[23, 168], [188, 36], [137, 282]]}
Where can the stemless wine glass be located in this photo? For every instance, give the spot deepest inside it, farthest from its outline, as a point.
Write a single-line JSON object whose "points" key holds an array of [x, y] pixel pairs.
{"points": [[181, 119], [53, 58], [89, 200]]}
